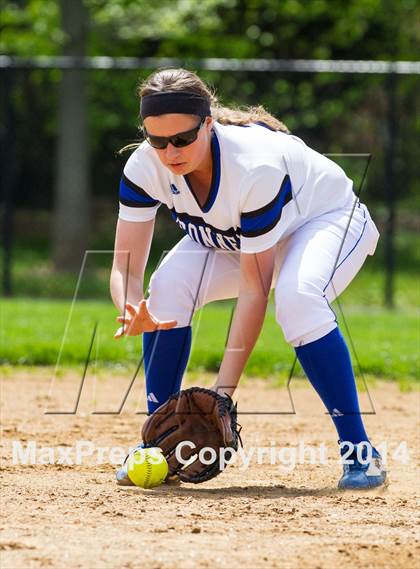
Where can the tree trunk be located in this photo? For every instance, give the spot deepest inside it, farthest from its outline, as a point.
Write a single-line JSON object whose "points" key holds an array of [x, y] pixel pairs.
{"points": [[71, 208]]}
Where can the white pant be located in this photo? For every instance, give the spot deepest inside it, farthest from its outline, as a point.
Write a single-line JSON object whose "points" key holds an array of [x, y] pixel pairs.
{"points": [[307, 274]]}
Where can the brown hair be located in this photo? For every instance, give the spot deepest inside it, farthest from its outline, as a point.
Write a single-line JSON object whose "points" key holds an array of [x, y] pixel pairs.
{"points": [[183, 80]]}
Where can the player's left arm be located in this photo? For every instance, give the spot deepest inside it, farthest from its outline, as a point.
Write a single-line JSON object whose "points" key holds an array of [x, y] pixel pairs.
{"points": [[256, 273]]}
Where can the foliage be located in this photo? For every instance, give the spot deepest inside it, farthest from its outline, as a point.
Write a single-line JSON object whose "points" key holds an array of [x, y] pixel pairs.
{"points": [[334, 113], [319, 29]]}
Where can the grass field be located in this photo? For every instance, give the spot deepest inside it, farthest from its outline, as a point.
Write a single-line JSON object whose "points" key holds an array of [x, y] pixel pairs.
{"points": [[44, 332], [37, 327], [34, 277]]}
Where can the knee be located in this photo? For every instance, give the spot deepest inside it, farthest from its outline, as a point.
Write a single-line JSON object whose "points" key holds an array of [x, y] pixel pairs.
{"points": [[291, 304], [170, 296], [301, 311]]}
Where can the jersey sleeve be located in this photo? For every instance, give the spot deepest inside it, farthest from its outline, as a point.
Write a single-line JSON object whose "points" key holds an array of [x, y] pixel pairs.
{"points": [[137, 195], [262, 208]]}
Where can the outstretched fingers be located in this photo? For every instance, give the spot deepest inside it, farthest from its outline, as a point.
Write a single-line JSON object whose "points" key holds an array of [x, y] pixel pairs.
{"points": [[131, 309], [137, 320], [151, 321]]}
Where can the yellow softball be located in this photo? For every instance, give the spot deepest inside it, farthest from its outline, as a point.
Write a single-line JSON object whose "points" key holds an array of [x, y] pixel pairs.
{"points": [[147, 467]]}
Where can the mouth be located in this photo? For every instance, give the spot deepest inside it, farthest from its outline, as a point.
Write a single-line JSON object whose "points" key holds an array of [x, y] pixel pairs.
{"points": [[177, 166]]}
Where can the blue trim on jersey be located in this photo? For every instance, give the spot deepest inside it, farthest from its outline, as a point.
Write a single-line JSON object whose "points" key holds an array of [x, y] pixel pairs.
{"points": [[215, 178], [260, 221], [215, 182], [134, 196]]}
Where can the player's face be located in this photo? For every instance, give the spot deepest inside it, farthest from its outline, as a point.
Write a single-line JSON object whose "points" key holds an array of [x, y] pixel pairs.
{"points": [[181, 160]]}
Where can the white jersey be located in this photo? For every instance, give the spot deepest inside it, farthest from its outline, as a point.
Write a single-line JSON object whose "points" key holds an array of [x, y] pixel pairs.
{"points": [[265, 185]]}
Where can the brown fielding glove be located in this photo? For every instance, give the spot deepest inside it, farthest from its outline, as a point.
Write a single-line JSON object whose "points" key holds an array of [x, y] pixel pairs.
{"points": [[201, 416]]}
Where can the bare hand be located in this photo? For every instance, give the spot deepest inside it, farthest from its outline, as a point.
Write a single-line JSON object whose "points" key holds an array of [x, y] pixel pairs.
{"points": [[138, 320]]}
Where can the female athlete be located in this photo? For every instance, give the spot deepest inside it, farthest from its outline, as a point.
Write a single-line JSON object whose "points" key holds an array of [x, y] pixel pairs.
{"points": [[261, 211]]}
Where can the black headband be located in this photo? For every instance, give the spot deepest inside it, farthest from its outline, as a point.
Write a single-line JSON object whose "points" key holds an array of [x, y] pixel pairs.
{"points": [[180, 102]]}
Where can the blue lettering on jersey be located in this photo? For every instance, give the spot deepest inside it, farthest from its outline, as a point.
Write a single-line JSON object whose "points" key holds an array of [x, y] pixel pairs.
{"points": [[174, 189], [207, 234]]}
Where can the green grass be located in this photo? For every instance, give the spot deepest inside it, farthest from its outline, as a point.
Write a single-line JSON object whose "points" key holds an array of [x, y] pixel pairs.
{"points": [[45, 332], [41, 331], [33, 274]]}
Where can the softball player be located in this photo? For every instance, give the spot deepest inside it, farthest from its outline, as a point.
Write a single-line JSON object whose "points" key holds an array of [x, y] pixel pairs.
{"points": [[260, 210]]}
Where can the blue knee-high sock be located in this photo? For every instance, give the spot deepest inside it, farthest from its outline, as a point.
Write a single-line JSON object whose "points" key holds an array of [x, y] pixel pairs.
{"points": [[165, 354], [328, 366]]}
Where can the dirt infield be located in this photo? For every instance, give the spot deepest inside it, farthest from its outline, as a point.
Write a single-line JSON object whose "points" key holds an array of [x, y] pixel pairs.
{"points": [[268, 515]]}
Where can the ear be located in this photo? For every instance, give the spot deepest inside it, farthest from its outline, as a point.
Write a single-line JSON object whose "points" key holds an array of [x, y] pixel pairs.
{"points": [[209, 123]]}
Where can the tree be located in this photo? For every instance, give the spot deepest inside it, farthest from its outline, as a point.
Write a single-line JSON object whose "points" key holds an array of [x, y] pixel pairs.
{"points": [[71, 208]]}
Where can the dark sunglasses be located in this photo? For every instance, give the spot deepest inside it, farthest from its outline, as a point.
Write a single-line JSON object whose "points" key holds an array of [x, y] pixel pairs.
{"points": [[178, 140]]}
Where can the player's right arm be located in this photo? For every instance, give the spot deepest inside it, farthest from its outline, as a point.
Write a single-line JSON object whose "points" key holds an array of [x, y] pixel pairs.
{"points": [[139, 202], [132, 247]]}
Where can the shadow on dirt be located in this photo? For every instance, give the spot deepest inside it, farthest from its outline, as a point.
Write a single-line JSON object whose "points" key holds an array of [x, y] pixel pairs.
{"points": [[267, 492]]}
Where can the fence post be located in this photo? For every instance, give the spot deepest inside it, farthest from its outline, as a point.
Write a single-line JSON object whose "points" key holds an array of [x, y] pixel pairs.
{"points": [[8, 175]]}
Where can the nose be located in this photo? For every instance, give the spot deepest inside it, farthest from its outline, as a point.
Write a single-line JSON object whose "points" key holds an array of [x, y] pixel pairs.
{"points": [[172, 153]]}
